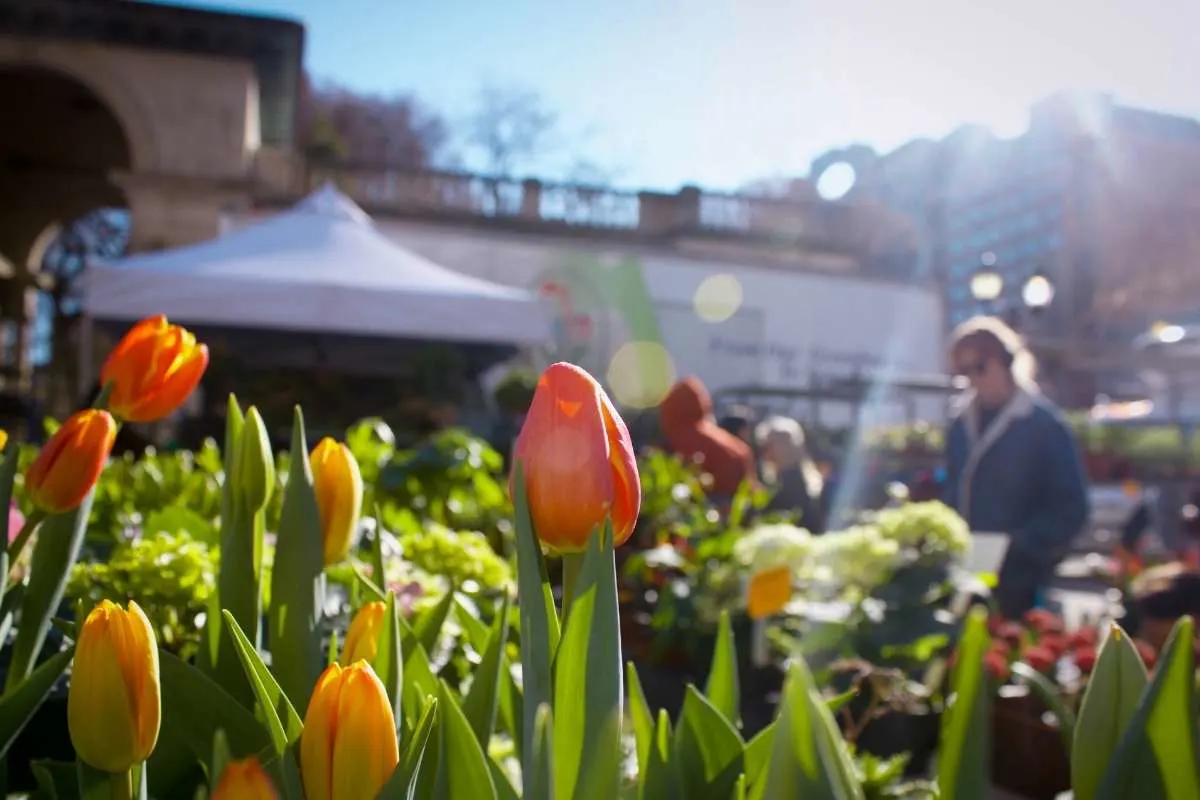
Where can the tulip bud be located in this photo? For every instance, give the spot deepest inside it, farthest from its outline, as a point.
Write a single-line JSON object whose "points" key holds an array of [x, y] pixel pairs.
{"points": [[153, 370], [3, 439], [578, 461], [113, 705], [244, 780], [349, 749], [339, 489], [255, 473], [362, 640], [71, 462]]}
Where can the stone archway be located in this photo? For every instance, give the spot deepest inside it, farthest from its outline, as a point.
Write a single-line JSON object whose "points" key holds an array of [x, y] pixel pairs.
{"points": [[61, 149]]}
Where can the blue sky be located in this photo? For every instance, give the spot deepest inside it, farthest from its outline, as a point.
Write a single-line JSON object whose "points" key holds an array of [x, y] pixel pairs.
{"points": [[720, 92]]}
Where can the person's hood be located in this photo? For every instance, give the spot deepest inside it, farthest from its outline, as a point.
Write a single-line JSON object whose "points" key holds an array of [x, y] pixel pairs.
{"points": [[685, 406]]}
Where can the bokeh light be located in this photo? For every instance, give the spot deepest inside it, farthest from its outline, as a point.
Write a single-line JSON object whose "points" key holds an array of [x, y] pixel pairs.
{"points": [[836, 181], [640, 374], [717, 298]]}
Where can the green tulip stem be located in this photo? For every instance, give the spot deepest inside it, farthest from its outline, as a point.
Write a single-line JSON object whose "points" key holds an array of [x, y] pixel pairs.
{"points": [[120, 785], [572, 563], [18, 544]]}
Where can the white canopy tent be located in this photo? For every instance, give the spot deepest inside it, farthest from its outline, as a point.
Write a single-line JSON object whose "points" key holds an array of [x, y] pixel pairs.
{"points": [[320, 267]]}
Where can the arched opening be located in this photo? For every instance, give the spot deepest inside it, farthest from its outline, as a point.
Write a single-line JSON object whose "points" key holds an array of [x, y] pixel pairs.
{"points": [[60, 146]]}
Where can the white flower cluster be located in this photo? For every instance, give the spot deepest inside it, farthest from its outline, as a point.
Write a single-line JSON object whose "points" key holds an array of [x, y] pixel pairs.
{"points": [[769, 546], [930, 528]]}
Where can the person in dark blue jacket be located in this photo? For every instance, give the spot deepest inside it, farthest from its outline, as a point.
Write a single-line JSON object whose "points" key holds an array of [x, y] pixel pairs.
{"points": [[1013, 466]]}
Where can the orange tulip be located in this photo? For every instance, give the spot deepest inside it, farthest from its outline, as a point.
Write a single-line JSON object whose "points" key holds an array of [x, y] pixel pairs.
{"points": [[244, 780], [578, 461], [71, 462], [362, 640], [153, 370], [349, 749], [114, 706]]}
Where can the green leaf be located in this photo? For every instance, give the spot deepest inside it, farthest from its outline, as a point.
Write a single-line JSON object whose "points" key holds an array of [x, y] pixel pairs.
{"points": [[220, 756], [709, 754], [476, 632], [639, 714], [758, 753], [1109, 704], [298, 579], [95, 784], [420, 683], [660, 779], [587, 682], [56, 780], [539, 618], [283, 723], [463, 772], [540, 782], [413, 758], [963, 763], [839, 701], [428, 627], [723, 689], [378, 564], [482, 698], [1157, 754], [59, 541], [504, 788], [18, 705], [389, 664], [369, 586], [809, 758], [195, 707]]}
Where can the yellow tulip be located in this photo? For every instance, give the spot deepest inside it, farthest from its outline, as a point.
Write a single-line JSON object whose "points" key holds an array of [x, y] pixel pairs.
{"points": [[349, 749], [339, 488], [244, 780], [3, 438], [114, 705], [362, 640]]}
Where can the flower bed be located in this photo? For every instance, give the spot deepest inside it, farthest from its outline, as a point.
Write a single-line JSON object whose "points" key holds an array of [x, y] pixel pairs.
{"points": [[318, 673]]}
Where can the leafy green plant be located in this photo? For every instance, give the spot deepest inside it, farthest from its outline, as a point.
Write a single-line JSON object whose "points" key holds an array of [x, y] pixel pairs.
{"points": [[171, 576]]}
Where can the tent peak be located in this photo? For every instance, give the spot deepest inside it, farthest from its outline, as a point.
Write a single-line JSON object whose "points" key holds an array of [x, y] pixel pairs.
{"points": [[328, 201]]}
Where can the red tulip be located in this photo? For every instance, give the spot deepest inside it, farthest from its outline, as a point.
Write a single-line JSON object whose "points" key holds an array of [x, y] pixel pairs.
{"points": [[1044, 621], [1053, 643], [1085, 659], [578, 461], [1084, 637]]}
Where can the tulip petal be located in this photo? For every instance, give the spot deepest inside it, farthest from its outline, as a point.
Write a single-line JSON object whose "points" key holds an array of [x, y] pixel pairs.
{"points": [[140, 667], [366, 752], [320, 734], [362, 639], [100, 710], [627, 487]]}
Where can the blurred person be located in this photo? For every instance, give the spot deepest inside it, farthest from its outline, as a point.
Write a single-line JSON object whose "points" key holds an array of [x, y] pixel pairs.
{"points": [[1013, 466], [690, 431], [739, 420], [789, 468]]}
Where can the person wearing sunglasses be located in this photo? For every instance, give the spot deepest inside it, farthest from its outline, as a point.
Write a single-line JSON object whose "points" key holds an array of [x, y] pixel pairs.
{"points": [[1013, 465]]}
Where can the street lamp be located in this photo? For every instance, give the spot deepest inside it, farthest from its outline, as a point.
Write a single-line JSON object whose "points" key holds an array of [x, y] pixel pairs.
{"points": [[987, 284], [1038, 292]]}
